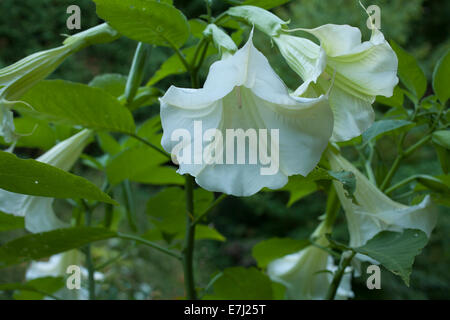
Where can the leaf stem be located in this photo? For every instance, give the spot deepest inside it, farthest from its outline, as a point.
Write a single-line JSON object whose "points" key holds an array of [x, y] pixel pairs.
{"points": [[149, 144], [331, 294], [209, 209], [149, 244], [89, 262]]}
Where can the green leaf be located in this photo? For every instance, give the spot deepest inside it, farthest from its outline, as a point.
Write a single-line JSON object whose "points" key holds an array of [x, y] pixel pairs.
{"points": [[34, 134], [39, 179], [432, 183], [265, 4], [381, 127], [396, 101], [409, 72], [204, 232], [141, 164], [239, 283], [442, 138], [146, 21], [173, 65], [262, 19], [77, 104], [441, 78], [197, 26], [108, 143], [11, 222], [34, 289], [396, 251], [167, 209], [347, 179], [268, 250], [42, 245], [444, 157], [112, 83], [298, 188]]}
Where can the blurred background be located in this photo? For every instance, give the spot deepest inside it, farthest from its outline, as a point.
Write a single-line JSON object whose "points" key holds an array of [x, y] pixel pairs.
{"points": [[419, 26]]}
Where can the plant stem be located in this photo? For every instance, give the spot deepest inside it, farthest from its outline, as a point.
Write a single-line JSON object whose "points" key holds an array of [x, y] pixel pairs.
{"points": [[189, 241], [331, 294], [333, 206], [148, 243], [89, 262], [136, 72]]}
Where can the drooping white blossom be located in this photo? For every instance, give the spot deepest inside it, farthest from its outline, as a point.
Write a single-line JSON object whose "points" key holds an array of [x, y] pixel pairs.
{"points": [[38, 211], [373, 211], [243, 92], [307, 274]]}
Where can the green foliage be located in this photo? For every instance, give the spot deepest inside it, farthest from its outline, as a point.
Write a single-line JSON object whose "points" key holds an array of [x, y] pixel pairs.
{"points": [[77, 104], [147, 21], [36, 289], [42, 245], [10, 222], [268, 250], [242, 284], [39, 179], [441, 78], [396, 251]]}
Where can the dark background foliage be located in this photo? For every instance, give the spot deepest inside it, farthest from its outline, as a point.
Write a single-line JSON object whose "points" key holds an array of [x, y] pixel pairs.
{"points": [[420, 26]]}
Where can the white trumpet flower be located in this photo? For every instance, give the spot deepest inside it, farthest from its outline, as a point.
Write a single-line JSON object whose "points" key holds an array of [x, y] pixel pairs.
{"points": [[358, 70], [307, 274], [57, 266], [374, 212], [38, 211], [242, 93], [19, 77]]}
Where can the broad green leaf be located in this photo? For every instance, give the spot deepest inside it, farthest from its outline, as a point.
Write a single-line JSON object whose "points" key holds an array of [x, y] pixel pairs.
{"points": [[239, 283], [268, 250], [11, 222], [298, 188], [167, 209], [410, 72], [34, 133], [442, 138], [204, 232], [262, 19], [77, 104], [141, 164], [197, 26], [396, 251], [150, 130], [108, 143], [441, 78], [265, 4], [112, 83], [35, 289], [42, 245], [444, 157], [173, 65], [147, 21], [396, 101], [381, 127], [221, 40], [39, 179]]}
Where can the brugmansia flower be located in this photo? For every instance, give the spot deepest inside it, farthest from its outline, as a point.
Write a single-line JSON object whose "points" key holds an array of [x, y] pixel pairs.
{"points": [[360, 72], [374, 212], [19, 77], [57, 266], [307, 274], [243, 94], [38, 211]]}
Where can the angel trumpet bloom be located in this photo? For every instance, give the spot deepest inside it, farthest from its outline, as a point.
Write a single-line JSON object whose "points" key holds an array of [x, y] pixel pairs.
{"points": [[308, 273], [19, 77], [57, 266], [38, 211], [374, 212], [242, 94], [359, 72]]}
